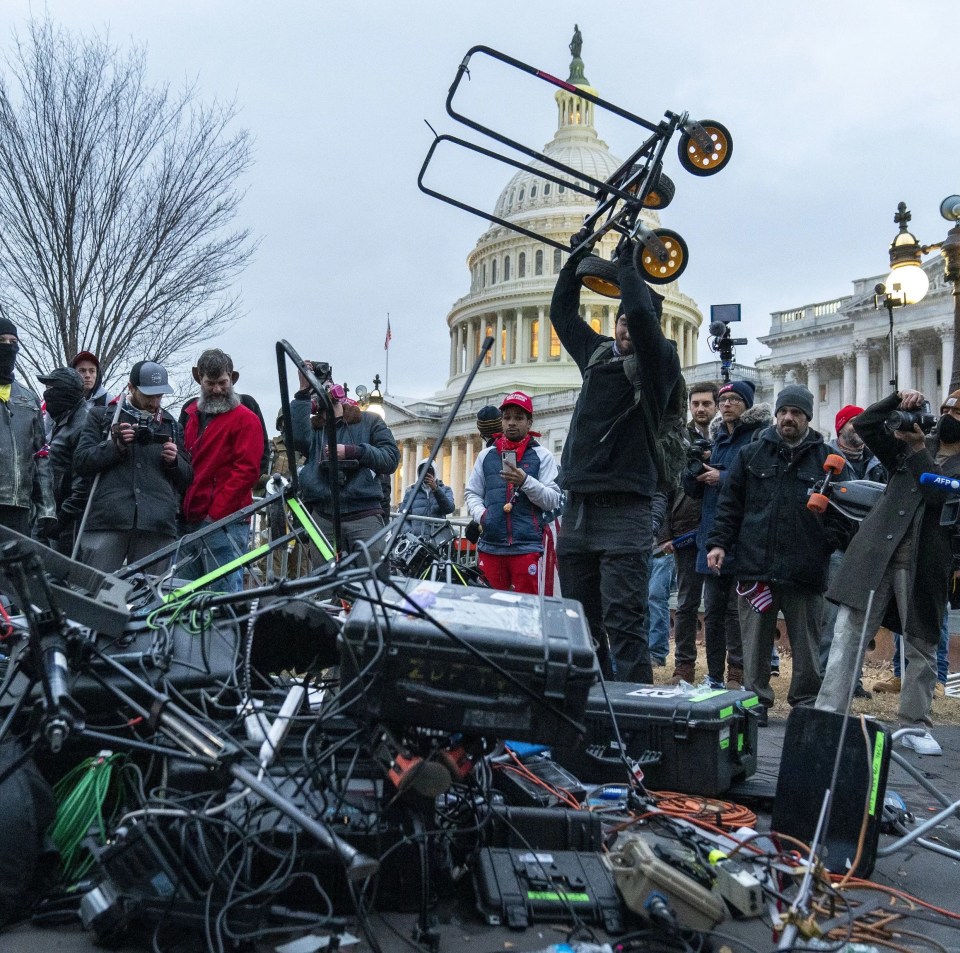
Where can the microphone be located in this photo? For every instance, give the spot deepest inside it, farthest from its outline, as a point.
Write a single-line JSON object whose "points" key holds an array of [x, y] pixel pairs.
{"points": [[940, 482]]}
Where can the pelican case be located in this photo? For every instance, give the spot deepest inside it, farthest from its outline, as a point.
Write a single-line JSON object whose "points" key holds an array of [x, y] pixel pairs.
{"points": [[477, 661], [691, 740]]}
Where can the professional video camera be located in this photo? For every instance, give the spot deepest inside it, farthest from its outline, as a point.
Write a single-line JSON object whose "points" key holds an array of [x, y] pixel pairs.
{"points": [[721, 315], [903, 420], [322, 370], [696, 454]]}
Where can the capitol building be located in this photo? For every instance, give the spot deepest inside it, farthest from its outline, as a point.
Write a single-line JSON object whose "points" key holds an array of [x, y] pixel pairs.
{"points": [[838, 348]]}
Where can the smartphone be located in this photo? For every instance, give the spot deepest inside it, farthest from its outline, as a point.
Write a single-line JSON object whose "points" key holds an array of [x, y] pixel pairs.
{"points": [[509, 456]]}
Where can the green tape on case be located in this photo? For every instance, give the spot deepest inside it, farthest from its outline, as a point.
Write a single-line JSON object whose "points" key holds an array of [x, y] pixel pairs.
{"points": [[557, 895]]}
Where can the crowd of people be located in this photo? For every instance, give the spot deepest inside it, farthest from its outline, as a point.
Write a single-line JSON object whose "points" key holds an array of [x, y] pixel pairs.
{"points": [[112, 480]]}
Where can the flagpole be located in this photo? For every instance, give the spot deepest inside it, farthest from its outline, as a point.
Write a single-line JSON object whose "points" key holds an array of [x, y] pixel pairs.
{"points": [[386, 372]]}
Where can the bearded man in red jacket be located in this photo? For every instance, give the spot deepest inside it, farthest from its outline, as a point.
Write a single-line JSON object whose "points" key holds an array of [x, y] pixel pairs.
{"points": [[225, 441]]}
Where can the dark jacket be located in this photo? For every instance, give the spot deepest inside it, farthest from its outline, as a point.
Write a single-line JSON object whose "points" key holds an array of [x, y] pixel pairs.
{"points": [[683, 510], [867, 468], [25, 478], [136, 489], [763, 509], [905, 511], [725, 448], [374, 449], [69, 488], [427, 502], [607, 448]]}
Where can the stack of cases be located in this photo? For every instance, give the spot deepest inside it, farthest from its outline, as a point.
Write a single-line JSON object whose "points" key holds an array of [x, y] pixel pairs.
{"points": [[695, 741]]}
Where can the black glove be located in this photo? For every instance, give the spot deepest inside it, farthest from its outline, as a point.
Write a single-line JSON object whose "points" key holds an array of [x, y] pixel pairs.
{"points": [[473, 531], [48, 527]]}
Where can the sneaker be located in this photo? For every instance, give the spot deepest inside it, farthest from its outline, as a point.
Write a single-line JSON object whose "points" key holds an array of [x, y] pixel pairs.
{"points": [[939, 690], [658, 662], [889, 686], [714, 683], [775, 671], [922, 744], [861, 692], [684, 672], [761, 711]]}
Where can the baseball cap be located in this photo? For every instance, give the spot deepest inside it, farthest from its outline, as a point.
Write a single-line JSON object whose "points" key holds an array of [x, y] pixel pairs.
{"points": [[150, 378], [518, 399], [85, 356], [65, 377]]}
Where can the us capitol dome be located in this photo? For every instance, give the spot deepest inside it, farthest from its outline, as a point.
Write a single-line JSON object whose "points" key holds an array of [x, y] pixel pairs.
{"points": [[511, 283]]}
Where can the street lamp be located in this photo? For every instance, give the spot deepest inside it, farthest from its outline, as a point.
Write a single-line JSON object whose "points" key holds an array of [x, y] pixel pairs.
{"points": [[372, 400], [907, 282]]}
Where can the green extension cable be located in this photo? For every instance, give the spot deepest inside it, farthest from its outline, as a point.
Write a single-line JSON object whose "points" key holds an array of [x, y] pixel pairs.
{"points": [[82, 795]]}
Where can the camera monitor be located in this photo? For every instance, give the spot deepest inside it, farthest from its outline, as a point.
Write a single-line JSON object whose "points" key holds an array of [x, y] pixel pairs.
{"points": [[724, 312]]}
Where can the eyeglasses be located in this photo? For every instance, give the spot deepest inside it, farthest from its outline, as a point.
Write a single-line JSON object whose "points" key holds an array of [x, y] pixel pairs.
{"points": [[730, 398]]}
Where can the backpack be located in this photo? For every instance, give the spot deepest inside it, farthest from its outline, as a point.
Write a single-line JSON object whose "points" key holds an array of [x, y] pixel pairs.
{"points": [[671, 443]]}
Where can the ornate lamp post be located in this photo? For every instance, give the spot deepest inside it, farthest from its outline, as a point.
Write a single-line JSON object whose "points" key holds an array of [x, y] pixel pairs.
{"points": [[907, 282]]}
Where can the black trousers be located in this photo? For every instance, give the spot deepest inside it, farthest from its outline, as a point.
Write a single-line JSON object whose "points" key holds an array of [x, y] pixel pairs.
{"points": [[721, 624], [603, 557], [689, 595]]}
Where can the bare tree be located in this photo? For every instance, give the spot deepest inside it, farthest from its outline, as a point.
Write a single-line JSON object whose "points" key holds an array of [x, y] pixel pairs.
{"points": [[117, 202]]}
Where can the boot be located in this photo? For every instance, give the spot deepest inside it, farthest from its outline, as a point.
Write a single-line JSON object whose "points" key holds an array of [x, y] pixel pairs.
{"points": [[889, 686], [734, 679], [684, 672]]}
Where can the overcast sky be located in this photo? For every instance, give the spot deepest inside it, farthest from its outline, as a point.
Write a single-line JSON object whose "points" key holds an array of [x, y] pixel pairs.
{"points": [[837, 110]]}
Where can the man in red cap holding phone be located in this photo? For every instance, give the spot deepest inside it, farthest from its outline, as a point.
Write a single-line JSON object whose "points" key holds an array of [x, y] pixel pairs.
{"points": [[514, 482]]}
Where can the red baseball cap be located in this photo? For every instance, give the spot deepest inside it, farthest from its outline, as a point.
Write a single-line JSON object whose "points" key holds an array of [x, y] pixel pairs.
{"points": [[518, 399], [846, 414]]}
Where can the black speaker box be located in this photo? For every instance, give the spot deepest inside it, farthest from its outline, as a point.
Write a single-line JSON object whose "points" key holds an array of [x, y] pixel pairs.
{"points": [[806, 768]]}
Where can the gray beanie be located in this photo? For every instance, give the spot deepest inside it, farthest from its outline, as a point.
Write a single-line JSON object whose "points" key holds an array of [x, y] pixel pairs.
{"points": [[796, 395]]}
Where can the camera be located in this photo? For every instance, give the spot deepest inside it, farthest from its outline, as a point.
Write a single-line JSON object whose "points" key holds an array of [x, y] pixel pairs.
{"points": [[144, 434], [695, 454], [322, 370], [904, 420]]}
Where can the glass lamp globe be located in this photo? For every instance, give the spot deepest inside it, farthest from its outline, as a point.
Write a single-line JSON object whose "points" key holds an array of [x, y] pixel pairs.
{"points": [[907, 282]]}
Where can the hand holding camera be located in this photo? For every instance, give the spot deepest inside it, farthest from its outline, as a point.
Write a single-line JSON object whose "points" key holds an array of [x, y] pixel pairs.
{"points": [[912, 421]]}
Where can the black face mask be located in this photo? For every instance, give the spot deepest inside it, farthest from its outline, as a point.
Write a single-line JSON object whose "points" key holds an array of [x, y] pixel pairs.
{"points": [[949, 429], [60, 401], [8, 357]]}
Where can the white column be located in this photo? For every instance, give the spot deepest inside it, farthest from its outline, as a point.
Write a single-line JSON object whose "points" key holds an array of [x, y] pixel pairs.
{"points": [[407, 463], [861, 350], [778, 375], [813, 385], [468, 461], [885, 372], [456, 471], [459, 368], [928, 374], [905, 361], [847, 391], [518, 336], [497, 343], [946, 359], [420, 454], [544, 334]]}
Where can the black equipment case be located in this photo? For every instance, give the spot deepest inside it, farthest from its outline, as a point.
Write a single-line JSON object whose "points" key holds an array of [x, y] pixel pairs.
{"points": [[478, 661], [696, 741]]}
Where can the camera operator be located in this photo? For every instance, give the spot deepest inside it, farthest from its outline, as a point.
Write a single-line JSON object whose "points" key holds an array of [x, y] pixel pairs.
{"points": [[683, 517], [137, 450], [365, 449], [740, 422], [902, 554], [433, 499]]}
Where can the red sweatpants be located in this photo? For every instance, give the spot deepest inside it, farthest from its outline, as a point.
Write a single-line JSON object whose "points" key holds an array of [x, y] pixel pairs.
{"points": [[510, 572]]}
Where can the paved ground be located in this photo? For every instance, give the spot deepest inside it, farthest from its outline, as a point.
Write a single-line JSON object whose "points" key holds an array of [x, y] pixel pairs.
{"points": [[914, 870]]}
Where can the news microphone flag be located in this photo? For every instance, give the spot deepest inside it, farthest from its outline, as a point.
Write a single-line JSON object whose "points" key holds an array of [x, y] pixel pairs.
{"points": [[387, 339], [940, 482]]}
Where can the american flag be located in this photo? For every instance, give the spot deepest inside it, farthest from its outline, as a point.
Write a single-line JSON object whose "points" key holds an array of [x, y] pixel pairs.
{"points": [[386, 340]]}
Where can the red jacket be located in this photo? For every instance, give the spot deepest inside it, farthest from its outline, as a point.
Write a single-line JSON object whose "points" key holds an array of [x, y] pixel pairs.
{"points": [[226, 463]]}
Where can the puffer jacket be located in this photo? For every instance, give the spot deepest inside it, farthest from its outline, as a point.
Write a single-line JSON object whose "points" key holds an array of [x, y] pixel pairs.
{"points": [[725, 448], [519, 530], [375, 452], [436, 503], [25, 478]]}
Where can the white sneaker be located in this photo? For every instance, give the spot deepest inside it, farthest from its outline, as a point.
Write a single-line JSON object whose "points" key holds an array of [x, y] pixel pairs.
{"points": [[922, 744]]}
